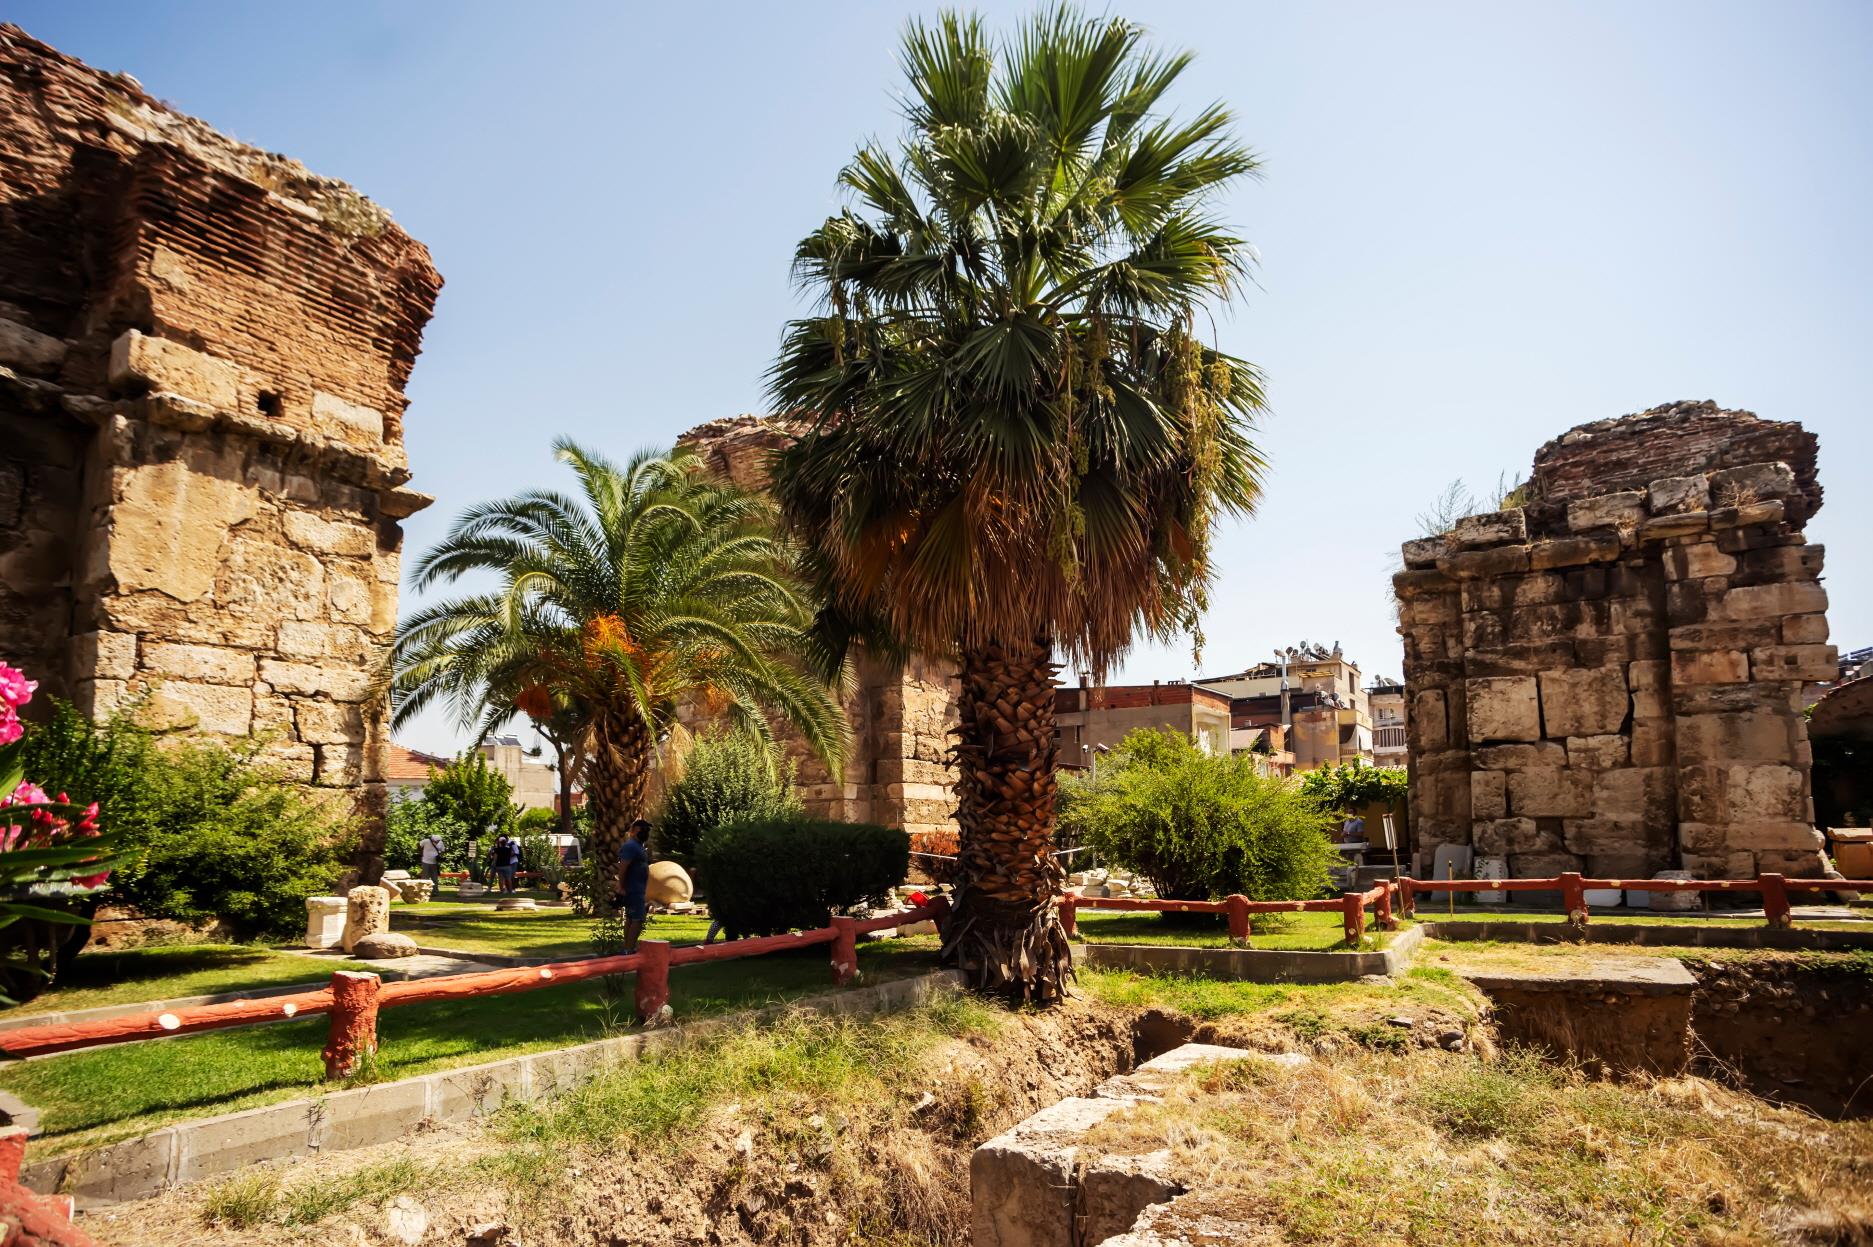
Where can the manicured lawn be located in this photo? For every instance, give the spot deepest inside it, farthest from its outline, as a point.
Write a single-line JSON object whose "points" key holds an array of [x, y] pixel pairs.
{"points": [[477, 927], [94, 1097], [1354, 1004], [1288, 932], [139, 974]]}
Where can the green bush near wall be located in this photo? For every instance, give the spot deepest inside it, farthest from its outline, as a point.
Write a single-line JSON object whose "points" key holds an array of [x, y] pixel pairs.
{"points": [[793, 873]]}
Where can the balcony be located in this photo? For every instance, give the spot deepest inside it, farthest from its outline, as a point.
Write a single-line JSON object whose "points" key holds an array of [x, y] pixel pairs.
{"points": [[1387, 739]]}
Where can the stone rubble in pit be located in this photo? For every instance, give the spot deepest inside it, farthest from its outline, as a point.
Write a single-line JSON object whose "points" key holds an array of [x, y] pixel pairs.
{"points": [[1609, 678], [203, 353]]}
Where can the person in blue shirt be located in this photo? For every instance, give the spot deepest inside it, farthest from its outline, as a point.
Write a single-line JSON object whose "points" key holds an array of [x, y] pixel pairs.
{"points": [[633, 879]]}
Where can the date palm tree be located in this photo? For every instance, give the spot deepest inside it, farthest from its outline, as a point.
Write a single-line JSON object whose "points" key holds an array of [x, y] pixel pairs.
{"points": [[1016, 441], [657, 588]]}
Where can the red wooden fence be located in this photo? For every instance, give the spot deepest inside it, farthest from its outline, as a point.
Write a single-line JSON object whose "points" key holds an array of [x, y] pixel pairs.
{"points": [[352, 1000], [1573, 888], [1351, 907]]}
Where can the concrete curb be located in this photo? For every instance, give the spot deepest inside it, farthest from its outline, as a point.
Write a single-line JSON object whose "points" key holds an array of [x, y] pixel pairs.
{"points": [[1675, 934], [192, 1150], [1258, 965]]}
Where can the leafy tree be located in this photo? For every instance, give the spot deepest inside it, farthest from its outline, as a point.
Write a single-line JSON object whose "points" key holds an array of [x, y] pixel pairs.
{"points": [[1018, 443], [727, 777], [471, 794], [408, 821], [1201, 826], [656, 587], [1349, 786]]}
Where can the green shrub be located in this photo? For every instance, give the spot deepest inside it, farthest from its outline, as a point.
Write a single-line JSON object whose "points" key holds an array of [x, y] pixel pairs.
{"points": [[728, 777], [472, 794], [1200, 826], [791, 873], [207, 830], [535, 820]]}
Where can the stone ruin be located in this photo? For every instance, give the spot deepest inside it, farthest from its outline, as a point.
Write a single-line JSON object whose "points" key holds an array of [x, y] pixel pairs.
{"points": [[203, 352], [898, 773], [1609, 678]]}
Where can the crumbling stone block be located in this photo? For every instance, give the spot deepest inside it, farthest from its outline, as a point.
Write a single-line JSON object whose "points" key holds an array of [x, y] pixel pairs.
{"points": [[1503, 708]]}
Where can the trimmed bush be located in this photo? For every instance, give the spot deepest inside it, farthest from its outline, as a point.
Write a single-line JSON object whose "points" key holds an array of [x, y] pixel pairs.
{"points": [[1201, 826], [729, 777], [792, 874]]}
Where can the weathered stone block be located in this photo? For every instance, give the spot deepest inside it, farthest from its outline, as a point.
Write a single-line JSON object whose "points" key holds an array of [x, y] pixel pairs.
{"points": [[1545, 753], [105, 655], [1735, 736], [1795, 662], [328, 723], [1770, 601], [1488, 794], [1494, 529], [139, 360], [1698, 560], [323, 536], [1602, 835], [346, 421], [1492, 561], [176, 705], [1765, 793], [1598, 753], [1716, 666], [169, 527], [367, 912], [1617, 510], [1752, 483], [1589, 702], [1551, 793], [1673, 494], [337, 683], [1498, 837], [28, 350], [1665, 527], [1572, 552], [1647, 673], [1503, 708], [1804, 630], [1423, 552], [1427, 720], [211, 664]]}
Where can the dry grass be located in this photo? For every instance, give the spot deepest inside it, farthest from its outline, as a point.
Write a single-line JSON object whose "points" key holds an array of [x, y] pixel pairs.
{"points": [[1434, 1148]]}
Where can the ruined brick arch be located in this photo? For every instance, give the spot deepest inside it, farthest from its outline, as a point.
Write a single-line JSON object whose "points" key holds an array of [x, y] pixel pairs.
{"points": [[1608, 679]]}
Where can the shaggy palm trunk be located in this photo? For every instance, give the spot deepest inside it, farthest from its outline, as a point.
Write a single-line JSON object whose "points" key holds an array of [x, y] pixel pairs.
{"points": [[617, 780], [1005, 933]]}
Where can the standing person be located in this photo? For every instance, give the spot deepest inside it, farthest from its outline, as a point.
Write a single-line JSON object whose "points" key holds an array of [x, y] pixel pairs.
{"points": [[432, 846], [506, 861], [633, 879]]}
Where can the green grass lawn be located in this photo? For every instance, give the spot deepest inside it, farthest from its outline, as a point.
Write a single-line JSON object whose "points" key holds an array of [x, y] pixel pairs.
{"points": [[1287, 932], [1213, 999], [161, 973], [105, 1094], [477, 927]]}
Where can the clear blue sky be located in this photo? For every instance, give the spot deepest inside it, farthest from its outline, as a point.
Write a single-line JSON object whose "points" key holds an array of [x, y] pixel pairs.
{"points": [[1481, 224]]}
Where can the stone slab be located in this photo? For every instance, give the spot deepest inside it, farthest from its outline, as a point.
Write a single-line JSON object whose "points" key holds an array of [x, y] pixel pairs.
{"points": [[1626, 976]]}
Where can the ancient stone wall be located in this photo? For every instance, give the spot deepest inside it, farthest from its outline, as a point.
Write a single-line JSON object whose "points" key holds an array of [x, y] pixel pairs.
{"points": [[901, 713], [1609, 678], [203, 349]]}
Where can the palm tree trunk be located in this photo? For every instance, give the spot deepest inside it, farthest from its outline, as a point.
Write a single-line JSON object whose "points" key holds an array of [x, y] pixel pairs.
{"points": [[1005, 933], [617, 781]]}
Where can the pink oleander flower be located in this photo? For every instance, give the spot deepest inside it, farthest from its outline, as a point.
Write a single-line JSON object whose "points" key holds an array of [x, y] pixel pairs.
{"points": [[10, 729], [15, 689]]}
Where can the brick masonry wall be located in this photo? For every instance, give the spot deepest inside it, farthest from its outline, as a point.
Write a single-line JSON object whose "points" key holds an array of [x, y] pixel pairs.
{"points": [[1610, 681], [203, 349]]}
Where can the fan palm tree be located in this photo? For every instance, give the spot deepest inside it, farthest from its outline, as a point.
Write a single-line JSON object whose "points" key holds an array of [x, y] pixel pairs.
{"points": [[657, 589], [1016, 442]]}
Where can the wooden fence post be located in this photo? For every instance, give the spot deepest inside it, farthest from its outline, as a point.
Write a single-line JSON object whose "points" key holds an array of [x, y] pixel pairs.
{"points": [[653, 980], [844, 950], [1775, 908], [1408, 896], [1353, 917], [1386, 921], [1574, 898], [1070, 914], [1238, 918], [353, 1033]]}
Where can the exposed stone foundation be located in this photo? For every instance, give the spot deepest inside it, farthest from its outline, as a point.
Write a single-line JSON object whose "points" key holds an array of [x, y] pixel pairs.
{"points": [[1609, 678], [203, 350], [899, 772]]}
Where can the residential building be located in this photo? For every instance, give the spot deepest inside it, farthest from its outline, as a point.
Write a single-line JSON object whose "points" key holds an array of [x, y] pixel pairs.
{"points": [[407, 770], [1386, 697], [1311, 691], [535, 784], [1089, 721]]}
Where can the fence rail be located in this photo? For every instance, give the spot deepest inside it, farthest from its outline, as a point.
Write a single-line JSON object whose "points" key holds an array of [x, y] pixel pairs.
{"points": [[352, 999], [1775, 890], [1351, 908]]}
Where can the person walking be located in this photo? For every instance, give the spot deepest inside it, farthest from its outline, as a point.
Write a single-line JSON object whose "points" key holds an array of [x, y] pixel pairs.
{"points": [[633, 880], [432, 847]]}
